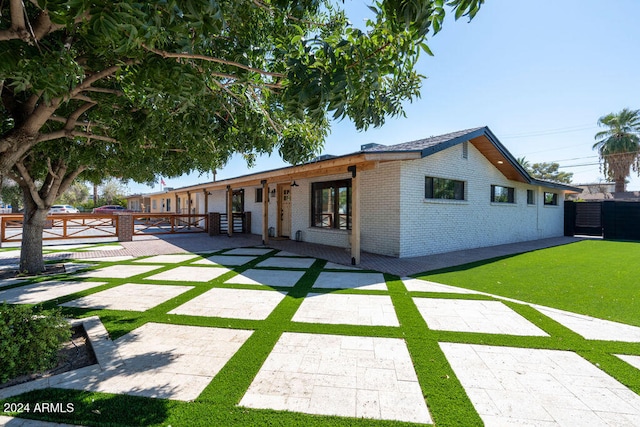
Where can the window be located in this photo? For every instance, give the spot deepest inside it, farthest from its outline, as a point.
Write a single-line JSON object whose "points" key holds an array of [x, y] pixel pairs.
{"points": [[237, 201], [500, 194], [154, 204], [531, 197], [441, 188], [258, 195], [551, 199], [168, 205], [331, 204], [465, 150]]}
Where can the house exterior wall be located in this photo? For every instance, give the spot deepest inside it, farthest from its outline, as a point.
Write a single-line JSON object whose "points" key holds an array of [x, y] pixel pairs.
{"points": [[431, 226]]}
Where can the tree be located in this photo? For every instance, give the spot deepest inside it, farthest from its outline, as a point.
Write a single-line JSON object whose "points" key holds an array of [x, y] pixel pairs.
{"points": [[547, 171], [619, 145], [179, 86], [75, 195], [10, 194], [113, 191]]}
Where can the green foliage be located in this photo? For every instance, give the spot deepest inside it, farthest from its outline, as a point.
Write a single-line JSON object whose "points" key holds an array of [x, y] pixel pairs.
{"points": [[75, 195], [29, 339], [547, 171], [619, 145]]}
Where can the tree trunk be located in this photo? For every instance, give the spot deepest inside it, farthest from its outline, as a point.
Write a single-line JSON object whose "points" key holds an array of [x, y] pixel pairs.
{"points": [[31, 260], [620, 184]]}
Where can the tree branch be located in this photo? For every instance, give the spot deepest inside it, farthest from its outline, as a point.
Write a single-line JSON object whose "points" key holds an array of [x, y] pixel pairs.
{"points": [[72, 120], [105, 90], [24, 180], [65, 133], [166, 54]]}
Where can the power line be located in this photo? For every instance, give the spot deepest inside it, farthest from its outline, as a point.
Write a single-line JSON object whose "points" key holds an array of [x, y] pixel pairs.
{"points": [[529, 134]]}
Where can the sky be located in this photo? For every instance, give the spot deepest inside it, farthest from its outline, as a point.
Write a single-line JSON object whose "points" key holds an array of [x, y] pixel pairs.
{"points": [[538, 73]]}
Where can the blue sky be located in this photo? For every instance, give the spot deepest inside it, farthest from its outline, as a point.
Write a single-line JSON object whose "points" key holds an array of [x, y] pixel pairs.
{"points": [[539, 73]]}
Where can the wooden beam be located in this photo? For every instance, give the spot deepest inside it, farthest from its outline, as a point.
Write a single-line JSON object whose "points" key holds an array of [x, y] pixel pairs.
{"points": [[265, 212], [206, 201], [229, 211], [355, 215]]}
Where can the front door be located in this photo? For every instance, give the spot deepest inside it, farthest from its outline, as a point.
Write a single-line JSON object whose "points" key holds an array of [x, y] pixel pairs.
{"points": [[284, 205]]}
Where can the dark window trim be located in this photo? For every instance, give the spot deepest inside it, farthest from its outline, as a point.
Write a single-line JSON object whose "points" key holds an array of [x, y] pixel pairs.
{"points": [[554, 199], [511, 194], [531, 201], [335, 185], [258, 198], [429, 184]]}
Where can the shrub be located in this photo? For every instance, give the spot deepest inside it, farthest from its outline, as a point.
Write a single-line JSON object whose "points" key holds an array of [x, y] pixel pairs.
{"points": [[29, 339]]}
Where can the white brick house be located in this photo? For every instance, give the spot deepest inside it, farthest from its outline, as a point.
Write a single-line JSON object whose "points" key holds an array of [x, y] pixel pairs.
{"points": [[456, 191]]}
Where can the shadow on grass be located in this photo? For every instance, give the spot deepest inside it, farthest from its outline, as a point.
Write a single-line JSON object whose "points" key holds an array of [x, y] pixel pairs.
{"points": [[91, 409]]}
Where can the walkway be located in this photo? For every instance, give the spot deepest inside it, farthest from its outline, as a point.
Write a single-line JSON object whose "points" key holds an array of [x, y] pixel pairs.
{"points": [[398, 266], [251, 327]]}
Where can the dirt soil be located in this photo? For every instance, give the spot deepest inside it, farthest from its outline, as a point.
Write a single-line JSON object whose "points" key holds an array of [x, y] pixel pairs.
{"points": [[75, 353]]}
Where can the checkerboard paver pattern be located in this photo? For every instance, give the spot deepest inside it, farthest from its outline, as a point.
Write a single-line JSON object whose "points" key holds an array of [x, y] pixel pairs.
{"points": [[120, 271], [167, 259], [272, 278], [344, 280], [459, 315], [232, 303], [166, 361], [347, 309], [190, 274], [44, 291], [130, 296], [523, 386], [226, 260], [362, 377], [287, 262]]}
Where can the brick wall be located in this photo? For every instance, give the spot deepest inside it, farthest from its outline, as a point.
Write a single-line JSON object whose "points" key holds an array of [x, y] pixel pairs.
{"points": [[435, 226]]}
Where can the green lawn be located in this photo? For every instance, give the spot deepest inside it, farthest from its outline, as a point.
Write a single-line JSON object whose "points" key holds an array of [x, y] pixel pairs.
{"points": [[593, 277]]}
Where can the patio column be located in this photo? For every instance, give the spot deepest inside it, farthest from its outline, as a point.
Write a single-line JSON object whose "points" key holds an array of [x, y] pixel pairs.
{"points": [[177, 203], [265, 212], [229, 211], [206, 201], [355, 216]]}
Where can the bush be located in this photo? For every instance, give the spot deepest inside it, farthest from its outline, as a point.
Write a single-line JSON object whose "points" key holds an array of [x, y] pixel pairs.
{"points": [[29, 339]]}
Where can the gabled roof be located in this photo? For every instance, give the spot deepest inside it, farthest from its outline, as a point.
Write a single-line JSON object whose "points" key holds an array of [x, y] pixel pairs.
{"points": [[485, 141], [481, 137]]}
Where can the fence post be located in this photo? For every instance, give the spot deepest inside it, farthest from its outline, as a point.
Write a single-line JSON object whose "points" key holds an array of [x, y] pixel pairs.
{"points": [[124, 227], [569, 218], [246, 224], [214, 223]]}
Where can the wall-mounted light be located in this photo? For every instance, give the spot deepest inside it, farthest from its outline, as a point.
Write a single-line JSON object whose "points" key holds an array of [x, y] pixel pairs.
{"points": [[273, 193], [294, 184]]}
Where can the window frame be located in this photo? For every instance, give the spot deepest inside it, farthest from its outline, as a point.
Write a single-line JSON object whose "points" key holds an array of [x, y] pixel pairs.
{"points": [[335, 187], [531, 197], [258, 196], [511, 194], [554, 199], [430, 188]]}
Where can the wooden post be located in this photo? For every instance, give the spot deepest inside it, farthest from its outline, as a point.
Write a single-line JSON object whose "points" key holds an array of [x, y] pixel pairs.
{"points": [[229, 211], [177, 203], [355, 216], [206, 202], [265, 212]]}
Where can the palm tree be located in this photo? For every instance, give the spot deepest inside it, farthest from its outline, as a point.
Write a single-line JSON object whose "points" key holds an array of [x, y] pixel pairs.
{"points": [[619, 145]]}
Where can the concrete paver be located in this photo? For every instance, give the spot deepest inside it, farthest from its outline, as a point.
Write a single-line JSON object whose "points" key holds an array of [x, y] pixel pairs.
{"points": [[248, 251], [165, 361], [345, 280], [347, 309], [232, 303], [267, 278], [459, 315], [361, 377], [419, 285], [44, 291], [592, 328], [130, 296], [120, 271], [167, 259], [630, 359], [226, 260], [190, 274], [287, 262], [521, 386]]}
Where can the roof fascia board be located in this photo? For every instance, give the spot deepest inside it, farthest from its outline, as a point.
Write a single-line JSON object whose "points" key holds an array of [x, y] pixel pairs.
{"points": [[452, 142], [505, 153]]}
